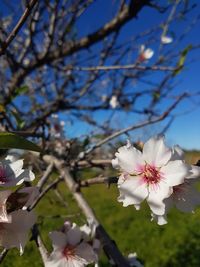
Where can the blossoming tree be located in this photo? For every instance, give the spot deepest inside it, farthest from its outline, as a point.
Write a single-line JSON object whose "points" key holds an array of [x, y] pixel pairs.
{"points": [[57, 76]]}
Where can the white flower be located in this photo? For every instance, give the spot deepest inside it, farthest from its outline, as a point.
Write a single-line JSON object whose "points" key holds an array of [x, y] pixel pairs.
{"points": [[145, 53], [114, 103], [15, 233], [12, 173], [70, 248], [133, 261], [166, 39], [149, 175], [185, 196]]}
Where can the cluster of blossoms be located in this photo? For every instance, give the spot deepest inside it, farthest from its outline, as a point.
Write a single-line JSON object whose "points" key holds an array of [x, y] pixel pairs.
{"points": [[147, 53], [73, 246], [15, 220], [158, 174]]}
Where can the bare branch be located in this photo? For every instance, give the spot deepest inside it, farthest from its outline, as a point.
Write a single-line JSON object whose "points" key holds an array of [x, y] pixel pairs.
{"points": [[18, 26]]}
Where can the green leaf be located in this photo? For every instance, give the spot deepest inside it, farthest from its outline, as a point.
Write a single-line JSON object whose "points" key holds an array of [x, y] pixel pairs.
{"points": [[182, 59], [20, 90], [10, 140]]}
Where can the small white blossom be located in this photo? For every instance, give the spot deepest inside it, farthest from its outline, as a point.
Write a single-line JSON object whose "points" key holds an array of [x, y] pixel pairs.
{"points": [[70, 248], [166, 39], [150, 175], [114, 103], [145, 53], [12, 173]]}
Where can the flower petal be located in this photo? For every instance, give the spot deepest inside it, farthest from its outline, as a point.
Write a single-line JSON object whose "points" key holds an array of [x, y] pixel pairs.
{"points": [[160, 219], [132, 191], [59, 239], [194, 172], [175, 172], [86, 252], [156, 152], [74, 235], [156, 197], [129, 158]]}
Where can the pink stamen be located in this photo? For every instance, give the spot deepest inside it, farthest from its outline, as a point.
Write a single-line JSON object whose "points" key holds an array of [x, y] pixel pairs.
{"points": [[69, 252], [151, 175]]}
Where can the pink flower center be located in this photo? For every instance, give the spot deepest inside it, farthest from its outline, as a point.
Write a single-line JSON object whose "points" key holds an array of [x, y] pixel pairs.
{"points": [[3, 178], [151, 174], [69, 252]]}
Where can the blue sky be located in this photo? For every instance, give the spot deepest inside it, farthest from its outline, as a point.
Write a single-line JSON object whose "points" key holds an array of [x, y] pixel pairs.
{"points": [[185, 130]]}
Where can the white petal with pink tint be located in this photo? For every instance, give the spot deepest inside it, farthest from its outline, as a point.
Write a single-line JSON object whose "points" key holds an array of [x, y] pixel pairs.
{"points": [[156, 197], [129, 159], [132, 191], [156, 152], [175, 172], [74, 235], [59, 239]]}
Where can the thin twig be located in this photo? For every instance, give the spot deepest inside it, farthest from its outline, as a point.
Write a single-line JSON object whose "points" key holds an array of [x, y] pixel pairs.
{"points": [[36, 201], [99, 180], [121, 67], [18, 26], [134, 127], [38, 240], [3, 254], [45, 176]]}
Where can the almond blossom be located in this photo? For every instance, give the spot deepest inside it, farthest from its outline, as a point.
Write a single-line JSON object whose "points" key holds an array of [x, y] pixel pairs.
{"points": [[149, 175], [166, 39], [71, 247], [12, 173], [15, 232], [114, 103], [185, 196], [145, 53]]}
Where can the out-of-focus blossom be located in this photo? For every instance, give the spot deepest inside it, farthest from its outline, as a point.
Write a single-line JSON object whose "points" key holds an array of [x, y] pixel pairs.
{"points": [[145, 53], [71, 247], [166, 39], [12, 173], [15, 233], [57, 127], [133, 261], [149, 175], [114, 103]]}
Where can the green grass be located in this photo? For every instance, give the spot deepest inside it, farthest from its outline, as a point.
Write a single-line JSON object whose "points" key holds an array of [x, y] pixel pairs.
{"points": [[176, 244]]}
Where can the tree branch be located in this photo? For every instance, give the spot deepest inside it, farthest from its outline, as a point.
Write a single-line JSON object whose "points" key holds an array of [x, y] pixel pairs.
{"points": [[18, 26]]}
